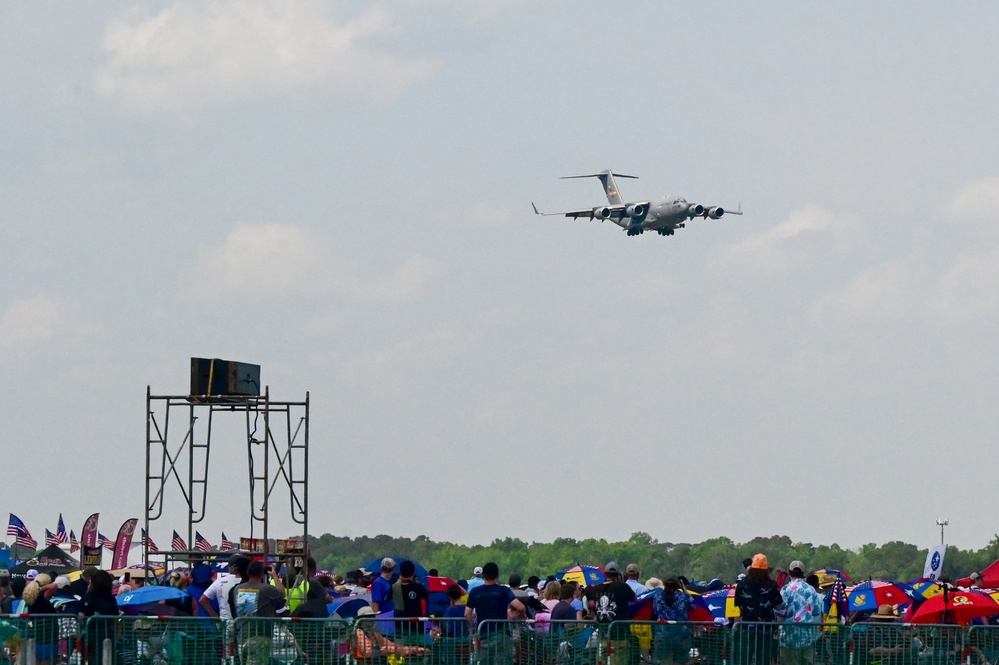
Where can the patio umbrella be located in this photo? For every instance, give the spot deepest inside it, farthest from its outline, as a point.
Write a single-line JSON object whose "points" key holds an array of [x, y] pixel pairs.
{"points": [[150, 594], [871, 595], [956, 607], [829, 575], [585, 575], [925, 588], [347, 608]]}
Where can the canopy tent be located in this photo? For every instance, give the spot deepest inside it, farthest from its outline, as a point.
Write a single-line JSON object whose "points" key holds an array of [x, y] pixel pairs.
{"points": [[50, 559]]}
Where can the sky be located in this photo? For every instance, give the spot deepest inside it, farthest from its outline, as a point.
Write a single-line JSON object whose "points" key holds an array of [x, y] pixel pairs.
{"points": [[341, 193]]}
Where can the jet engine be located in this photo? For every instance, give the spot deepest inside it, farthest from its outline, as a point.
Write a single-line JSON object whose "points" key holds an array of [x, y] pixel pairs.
{"points": [[636, 210], [715, 212], [695, 209], [601, 212]]}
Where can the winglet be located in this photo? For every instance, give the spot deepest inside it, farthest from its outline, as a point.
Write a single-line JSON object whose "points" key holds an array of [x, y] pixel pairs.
{"points": [[536, 211]]}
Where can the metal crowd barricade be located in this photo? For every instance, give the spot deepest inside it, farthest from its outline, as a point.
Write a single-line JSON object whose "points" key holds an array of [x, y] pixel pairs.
{"points": [[908, 644], [290, 641], [40, 638], [431, 640], [668, 641], [787, 643], [530, 642], [981, 645], [150, 640]]}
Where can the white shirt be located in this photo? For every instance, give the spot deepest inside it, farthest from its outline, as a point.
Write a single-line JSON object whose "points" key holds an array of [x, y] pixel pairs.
{"points": [[219, 592]]}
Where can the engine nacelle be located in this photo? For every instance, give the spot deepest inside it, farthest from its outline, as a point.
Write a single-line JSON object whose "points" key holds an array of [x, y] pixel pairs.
{"points": [[601, 212], [716, 212], [695, 210], [636, 210]]}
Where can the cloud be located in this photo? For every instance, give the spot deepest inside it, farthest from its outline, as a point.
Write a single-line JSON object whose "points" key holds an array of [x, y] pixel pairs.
{"points": [[883, 291], [196, 54], [969, 289], [404, 283], [783, 246], [28, 321], [263, 258], [977, 200]]}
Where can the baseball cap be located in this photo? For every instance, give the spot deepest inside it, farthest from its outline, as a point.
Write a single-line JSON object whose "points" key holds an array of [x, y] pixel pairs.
{"points": [[31, 574], [759, 562], [477, 570], [388, 563], [975, 576], [796, 565], [612, 567], [62, 582], [631, 568]]}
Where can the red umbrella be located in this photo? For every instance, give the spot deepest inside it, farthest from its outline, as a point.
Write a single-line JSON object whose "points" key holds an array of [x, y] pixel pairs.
{"points": [[873, 594], [956, 607]]}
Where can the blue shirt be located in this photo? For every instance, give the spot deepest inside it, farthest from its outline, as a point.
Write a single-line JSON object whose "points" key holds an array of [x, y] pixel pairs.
{"points": [[381, 593]]}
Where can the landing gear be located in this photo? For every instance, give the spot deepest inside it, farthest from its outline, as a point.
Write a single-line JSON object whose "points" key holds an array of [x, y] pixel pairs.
{"points": [[636, 232], [665, 232]]}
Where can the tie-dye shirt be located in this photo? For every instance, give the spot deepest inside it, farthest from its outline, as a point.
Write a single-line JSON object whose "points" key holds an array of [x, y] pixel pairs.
{"points": [[802, 604]]}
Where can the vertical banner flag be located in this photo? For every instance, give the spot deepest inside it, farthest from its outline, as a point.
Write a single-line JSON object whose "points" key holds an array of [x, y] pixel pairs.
{"points": [[122, 543], [934, 562], [89, 535]]}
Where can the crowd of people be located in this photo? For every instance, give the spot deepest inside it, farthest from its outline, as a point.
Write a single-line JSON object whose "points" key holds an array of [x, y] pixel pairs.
{"points": [[785, 620]]}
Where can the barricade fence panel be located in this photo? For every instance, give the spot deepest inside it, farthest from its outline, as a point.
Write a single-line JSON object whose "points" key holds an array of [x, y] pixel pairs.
{"points": [[48, 638], [149, 640], [667, 642], [290, 641], [437, 640], [893, 643], [529, 642]]}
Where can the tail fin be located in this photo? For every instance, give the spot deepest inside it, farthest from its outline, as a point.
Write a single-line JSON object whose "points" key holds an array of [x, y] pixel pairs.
{"points": [[610, 186]]}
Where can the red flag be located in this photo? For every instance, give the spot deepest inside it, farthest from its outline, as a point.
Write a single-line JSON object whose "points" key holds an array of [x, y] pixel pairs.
{"points": [[122, 544]]}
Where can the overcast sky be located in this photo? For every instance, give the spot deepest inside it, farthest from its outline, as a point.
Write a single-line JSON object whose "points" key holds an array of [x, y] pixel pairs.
{"points": [[341, 192]]}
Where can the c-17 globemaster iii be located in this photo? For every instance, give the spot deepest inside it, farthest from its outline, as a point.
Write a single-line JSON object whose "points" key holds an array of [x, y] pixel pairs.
{"points": [[663, 215]]}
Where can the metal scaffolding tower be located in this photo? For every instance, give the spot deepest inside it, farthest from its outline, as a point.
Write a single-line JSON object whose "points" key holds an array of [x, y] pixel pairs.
{"points": [[277, 451]]}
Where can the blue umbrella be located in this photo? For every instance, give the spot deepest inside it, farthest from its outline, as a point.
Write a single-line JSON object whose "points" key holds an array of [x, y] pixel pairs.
{"points": [[346, 608], [150, 594]]}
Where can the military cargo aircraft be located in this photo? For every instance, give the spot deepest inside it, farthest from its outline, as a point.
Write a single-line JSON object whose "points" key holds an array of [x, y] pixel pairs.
{"points": [[663, 215]]}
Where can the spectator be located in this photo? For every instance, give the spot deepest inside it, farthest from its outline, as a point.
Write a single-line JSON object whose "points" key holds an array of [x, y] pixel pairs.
{"points": [[201, 579], [490, 602], [219, 590], [632, 573], [758, 599], [553, 595], [672, 642], [976, 580], [456, 610], [611, 601], [563, 609], [476, 578], [182, 606], [99, 601], [532, 586], [36, 596], [309, 597], [370, 644], [13, 604], [381, 588], [413, 597], [5, 591], [802, 605], [261, 595]]}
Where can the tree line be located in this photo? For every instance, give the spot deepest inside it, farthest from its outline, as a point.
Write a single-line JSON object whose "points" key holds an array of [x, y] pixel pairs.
{"points": [[715, 558]]}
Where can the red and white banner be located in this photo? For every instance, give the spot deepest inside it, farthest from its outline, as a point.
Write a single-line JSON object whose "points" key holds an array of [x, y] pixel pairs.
{"points": [[122, 544]]}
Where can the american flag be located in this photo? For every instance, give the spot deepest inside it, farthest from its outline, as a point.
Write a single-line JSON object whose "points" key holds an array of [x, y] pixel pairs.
{"points": [[201, 544], [148, 542], [60, 534], [20, 532], [226, 545], [74, 544], [177, 544], [104, 541], [50, 538]]}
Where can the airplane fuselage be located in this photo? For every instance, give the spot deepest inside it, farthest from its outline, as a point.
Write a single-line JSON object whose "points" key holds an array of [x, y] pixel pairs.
{"points": [[668, 212]]}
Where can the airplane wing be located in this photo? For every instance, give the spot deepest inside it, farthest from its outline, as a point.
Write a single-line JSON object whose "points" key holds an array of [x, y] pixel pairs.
{"points": [[588, 213]]}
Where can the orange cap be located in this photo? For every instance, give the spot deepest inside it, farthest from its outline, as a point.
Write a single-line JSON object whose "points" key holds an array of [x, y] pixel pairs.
{"points": [[760, 561]]}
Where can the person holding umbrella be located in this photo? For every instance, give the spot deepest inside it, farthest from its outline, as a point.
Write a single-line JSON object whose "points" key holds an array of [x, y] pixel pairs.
{"points": [[758, 600]]}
